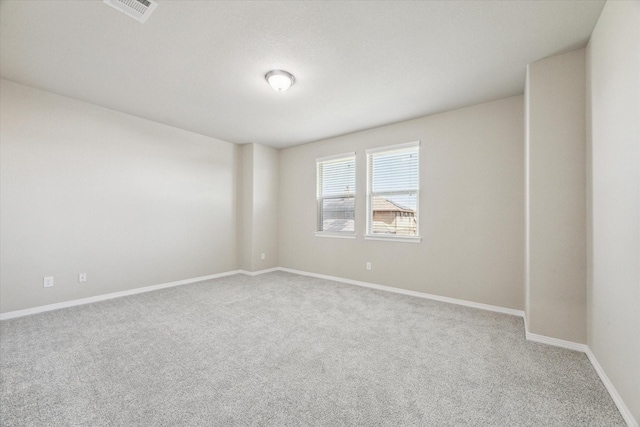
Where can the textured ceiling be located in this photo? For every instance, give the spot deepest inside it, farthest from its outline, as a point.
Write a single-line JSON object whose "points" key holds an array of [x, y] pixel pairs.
{"points": [[200, 65]]}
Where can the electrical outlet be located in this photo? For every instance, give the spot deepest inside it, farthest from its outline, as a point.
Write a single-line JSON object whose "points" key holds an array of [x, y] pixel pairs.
{"points": [[368, 266], [82, 277], [48, 281], [263, 256]]}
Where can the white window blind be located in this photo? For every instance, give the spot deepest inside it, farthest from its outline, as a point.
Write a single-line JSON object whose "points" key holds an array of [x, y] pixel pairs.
{"points": [[392, 191], [336, 191]]}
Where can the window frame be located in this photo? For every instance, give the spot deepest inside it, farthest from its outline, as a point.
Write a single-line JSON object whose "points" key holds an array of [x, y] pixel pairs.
{"points": [[369, 235], [320, 198]]}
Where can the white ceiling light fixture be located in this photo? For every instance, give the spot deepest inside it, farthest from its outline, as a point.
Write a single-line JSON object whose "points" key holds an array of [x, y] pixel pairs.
{"points": [[280, 80]]}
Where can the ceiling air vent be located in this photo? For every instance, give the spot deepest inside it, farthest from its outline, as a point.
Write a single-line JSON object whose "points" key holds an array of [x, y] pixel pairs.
{"points": [[137, 9]]}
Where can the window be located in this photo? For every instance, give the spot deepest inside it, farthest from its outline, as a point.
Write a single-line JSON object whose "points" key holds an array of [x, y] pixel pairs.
{"points": [[392, 192], [336, 185]]}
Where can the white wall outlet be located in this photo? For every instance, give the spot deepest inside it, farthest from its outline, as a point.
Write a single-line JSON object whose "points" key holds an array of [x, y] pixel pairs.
{"points": [[368, 266], [48, 281], [263, 256], [82, 277]]}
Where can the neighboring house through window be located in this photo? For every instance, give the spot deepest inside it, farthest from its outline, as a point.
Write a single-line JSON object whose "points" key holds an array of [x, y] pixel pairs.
{"points": [[392, 192], [336, 185]]}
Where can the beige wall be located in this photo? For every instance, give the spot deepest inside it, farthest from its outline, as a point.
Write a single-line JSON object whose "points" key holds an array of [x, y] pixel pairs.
{"points": [[556, 228], [613, 114], [259, 212], [471, 208], [128, 201], [265, 205], [246, 207]]}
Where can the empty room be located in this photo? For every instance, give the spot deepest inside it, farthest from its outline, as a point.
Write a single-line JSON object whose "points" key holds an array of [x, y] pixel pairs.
{"points": [[319, 213]]}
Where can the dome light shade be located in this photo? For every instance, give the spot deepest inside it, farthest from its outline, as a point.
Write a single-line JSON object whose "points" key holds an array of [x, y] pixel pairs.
{"points": [[280, 80]]}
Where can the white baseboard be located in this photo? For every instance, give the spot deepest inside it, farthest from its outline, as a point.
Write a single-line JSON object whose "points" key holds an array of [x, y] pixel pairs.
{"points": [[256, 273], [556, 342], [89, 300], [624, 410], [449, 300]]}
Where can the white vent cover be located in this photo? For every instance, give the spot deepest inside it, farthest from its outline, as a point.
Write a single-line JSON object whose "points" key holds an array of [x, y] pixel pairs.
{"points": [[137, 9]]}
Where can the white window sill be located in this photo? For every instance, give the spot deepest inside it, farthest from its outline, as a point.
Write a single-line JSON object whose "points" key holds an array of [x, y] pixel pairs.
{"points": [[393, 238], [335, 235]]}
